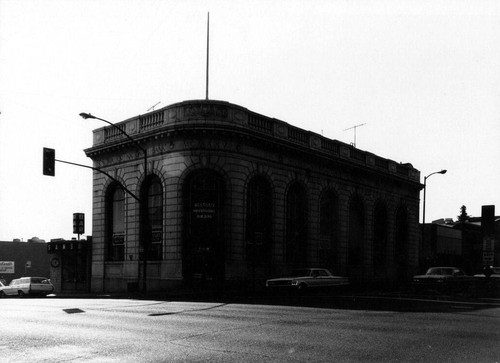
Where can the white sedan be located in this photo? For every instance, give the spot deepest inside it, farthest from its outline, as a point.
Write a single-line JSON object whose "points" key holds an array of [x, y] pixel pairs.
{"points": [[302, 279]]}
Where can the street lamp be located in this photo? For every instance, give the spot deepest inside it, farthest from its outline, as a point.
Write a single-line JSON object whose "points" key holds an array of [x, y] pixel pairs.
{"points": [[144, 254], [425, 187]]}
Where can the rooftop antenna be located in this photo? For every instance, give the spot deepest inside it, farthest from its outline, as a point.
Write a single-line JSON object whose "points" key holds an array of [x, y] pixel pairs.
{"points": [[208, 42], [153, 107], [354, 127]]}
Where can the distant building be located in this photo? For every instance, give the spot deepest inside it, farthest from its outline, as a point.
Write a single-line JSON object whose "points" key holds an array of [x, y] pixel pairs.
{"points": [[442, 246], [461, 243], [228, 196], [70, 264], [18, 259]]}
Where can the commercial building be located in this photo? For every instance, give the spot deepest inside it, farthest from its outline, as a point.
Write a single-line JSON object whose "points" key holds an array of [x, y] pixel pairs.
{"points": [[18, 259], [70, 264], [470, 244], [210, 193]]}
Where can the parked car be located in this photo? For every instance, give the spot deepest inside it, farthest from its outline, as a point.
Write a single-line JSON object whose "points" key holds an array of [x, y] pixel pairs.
{"points": [[305, 278], [494, 273], [23, 286], [444, 279], [487, 284]]}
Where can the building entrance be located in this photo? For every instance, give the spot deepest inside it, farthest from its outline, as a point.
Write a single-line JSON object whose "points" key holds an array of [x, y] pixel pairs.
{"points": [[203, 252], [70, 268]]}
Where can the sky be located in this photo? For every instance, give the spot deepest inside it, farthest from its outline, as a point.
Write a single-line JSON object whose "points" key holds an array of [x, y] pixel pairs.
{"points": [[422, 76]]}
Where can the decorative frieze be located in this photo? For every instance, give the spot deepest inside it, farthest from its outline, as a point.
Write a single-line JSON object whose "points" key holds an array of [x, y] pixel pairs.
{"points": [[198, 113], [205, 110]]}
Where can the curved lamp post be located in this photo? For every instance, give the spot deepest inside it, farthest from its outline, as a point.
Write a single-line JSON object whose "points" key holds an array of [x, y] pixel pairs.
{"points": [[144, 254], [425, 187]]}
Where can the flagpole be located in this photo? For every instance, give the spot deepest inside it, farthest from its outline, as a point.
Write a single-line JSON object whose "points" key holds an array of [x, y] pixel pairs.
{"points": [[208, 42]]}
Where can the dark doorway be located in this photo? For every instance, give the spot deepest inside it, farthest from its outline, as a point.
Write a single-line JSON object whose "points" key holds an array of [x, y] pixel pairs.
{"points": [[401, 244], [259, 227], [328, 227], [296, 226], [356, 232], [380, 240]]}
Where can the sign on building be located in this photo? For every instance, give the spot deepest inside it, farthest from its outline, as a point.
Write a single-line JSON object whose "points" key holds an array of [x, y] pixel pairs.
{"points": [[7, 267], [488, 250]]}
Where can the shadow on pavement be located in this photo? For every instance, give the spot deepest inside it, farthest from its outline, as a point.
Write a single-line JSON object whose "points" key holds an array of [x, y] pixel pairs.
{"points": [[350, 299]]}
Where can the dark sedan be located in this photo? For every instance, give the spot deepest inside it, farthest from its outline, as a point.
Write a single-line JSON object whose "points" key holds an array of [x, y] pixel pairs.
{"points": [[489, 272], [306, 278], [443, 279]]}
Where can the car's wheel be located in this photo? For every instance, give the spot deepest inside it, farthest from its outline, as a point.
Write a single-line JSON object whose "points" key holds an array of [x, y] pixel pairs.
{"points": [[21, 293], [2, 294], [302, 288]]}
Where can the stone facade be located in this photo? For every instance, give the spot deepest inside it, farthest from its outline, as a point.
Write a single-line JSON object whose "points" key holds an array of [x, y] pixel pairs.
{"points": [[244, 197]]}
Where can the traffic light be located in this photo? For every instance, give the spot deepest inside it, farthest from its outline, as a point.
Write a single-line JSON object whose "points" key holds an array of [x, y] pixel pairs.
{"points": [[78, 223], [49, 161]]}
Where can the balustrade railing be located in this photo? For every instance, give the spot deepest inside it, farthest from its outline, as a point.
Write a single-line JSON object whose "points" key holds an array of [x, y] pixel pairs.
{"points": [[152, 120], [254, 122], [298, 135], [260, 124]]}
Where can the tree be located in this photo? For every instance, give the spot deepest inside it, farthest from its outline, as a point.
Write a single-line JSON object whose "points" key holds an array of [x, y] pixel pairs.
{"points": [[463, 217]]}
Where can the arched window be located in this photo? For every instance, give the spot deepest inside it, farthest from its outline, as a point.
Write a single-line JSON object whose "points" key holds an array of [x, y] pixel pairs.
{"points": [[328, 225], [296, 225], [259, 220], [401, 243], [115, 224], [356, 231], [379, 238], [153, 218]]}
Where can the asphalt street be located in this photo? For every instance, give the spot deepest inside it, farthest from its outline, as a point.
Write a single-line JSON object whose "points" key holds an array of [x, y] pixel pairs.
{"points": [[134, 330]]}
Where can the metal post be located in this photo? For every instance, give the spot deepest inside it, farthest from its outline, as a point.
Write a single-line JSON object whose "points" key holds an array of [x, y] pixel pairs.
{"points": [[208, 44], [145, 230], [141, 199], [425, 189]]}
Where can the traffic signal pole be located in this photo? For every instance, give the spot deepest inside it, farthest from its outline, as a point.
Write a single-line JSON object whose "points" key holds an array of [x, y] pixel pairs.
{"points": [[102, 172], [145, 244]]}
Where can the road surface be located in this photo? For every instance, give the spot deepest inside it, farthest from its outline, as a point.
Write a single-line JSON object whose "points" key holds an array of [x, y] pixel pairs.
{"points": [[127, 330]]}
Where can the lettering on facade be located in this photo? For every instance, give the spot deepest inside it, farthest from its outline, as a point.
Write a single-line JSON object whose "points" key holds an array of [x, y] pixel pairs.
{"points": [[205, 110], [204, 210], [156, 235], [125, 157], [161, 149], [206, 144]]}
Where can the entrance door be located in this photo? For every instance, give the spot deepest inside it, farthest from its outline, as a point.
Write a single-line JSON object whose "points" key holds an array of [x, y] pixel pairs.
{"points": [[74, 272], [203, 252]]}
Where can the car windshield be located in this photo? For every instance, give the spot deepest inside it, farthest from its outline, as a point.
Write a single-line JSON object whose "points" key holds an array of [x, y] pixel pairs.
{"points": [[439, 271], [301, 272]]}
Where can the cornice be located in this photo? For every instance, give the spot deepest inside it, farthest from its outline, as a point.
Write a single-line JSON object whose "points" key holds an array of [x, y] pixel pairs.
{"points": [[223, 118]]}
